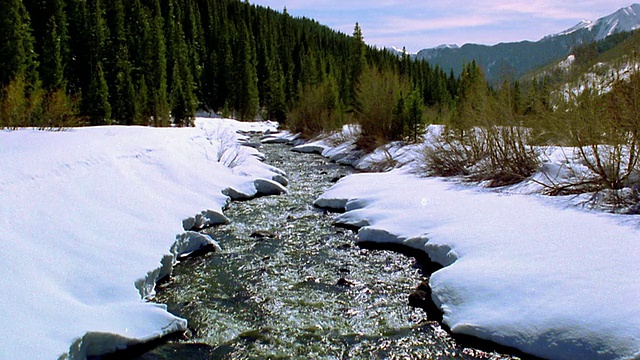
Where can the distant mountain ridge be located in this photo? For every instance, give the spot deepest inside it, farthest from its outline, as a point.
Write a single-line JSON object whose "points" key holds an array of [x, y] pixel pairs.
{"points": [[625, 19], [512, 60]]}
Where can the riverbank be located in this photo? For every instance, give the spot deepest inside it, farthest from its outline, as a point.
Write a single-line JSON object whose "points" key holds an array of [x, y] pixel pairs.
{"points": [[92, 217], [289, 284], [527, 271]]}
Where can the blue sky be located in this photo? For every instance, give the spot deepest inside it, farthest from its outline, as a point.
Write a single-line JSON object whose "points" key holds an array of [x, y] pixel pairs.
{"points": [[422, 24]]}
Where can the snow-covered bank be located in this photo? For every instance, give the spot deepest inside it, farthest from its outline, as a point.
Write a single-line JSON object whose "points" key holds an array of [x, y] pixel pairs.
{"points": [[91, 217], [520, 270], [525, 271]]}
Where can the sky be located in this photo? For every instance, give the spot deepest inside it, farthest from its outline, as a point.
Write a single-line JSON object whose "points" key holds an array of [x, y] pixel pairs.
{"points": [[423, 24]]}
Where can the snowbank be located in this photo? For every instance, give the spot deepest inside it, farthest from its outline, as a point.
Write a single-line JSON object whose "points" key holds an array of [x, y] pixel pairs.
{"points": [[91, 217], [523, 271]]}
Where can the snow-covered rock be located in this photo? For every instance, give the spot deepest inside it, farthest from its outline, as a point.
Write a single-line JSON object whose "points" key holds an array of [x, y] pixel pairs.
{"points": [[310, 148], [191, 241], [283, 137], [265, 187], [206, 218]]}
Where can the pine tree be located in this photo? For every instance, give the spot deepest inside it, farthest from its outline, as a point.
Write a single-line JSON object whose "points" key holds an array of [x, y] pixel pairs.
{"points": [[358, 59], [194, 39], [95, 101], [183, 99], [17, 54], [52, 66], [79, 57], [275, 101], [247, 99], [399, 119], [49, 22], [156, 72], [472, 107], [123, 95], [414, 110]]}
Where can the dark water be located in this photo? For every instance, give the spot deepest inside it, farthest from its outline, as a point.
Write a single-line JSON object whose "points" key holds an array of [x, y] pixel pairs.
{"points": [[302, 289]]}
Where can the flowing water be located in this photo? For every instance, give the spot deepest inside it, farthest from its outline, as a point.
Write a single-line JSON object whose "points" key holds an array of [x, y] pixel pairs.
{"points": [[290, 285]]}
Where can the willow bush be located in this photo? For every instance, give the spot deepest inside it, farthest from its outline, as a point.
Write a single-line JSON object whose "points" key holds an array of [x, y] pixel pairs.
{"points": [[486, 138], [22, 105], [606, 133], [318, 110]]}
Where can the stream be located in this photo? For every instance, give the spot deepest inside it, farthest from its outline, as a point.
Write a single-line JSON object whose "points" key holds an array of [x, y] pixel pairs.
{"points": [[290, 285]]}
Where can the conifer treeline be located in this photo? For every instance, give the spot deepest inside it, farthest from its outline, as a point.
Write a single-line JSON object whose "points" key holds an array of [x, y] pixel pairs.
{"points": [[158, 61]]}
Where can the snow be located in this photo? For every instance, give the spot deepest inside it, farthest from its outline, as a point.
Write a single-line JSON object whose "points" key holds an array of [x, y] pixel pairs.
{"points": [[447, 46], [600, 79], [520, 270], [525, 270], [624, 19], [566, 64], [584, 24], [91, 217]]}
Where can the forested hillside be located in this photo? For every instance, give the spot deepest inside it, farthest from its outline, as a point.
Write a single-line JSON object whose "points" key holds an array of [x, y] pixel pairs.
{"points": [[66, 62]]}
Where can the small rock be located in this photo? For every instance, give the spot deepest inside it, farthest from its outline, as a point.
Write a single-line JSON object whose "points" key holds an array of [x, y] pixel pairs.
{"points": [[424, 286], [419, 299], [262, 234], [345, 282]]}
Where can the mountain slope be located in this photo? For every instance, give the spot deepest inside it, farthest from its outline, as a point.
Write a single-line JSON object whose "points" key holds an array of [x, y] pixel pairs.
{"points": [[625, 19], [512, 60]]}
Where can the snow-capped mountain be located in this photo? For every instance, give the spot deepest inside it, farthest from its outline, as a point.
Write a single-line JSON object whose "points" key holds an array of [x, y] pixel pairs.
{"points": [[518, 58], [625, 19], [584, 24], [400, 52], [447, 46]]}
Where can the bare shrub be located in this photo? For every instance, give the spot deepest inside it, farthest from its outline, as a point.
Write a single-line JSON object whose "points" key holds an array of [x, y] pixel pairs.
{"points": [[446, 156], [497, 154], [606, 132], [509, 159], [228, 151], [318, 110]]}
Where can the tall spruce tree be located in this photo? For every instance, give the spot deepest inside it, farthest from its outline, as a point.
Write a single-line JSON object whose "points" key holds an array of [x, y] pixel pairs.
{"points": [[95, 101], [156, 72], [183, 99], [17, 56], [79, 57], [247, 99], [49, 22], [357, 61], [123, 96]]}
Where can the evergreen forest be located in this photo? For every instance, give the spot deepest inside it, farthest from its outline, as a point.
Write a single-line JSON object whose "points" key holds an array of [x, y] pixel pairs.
{"points": [[157, 62]]}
